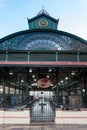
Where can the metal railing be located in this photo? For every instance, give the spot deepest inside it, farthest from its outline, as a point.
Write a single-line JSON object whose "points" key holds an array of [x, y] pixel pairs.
{"points": [[71, 56]]}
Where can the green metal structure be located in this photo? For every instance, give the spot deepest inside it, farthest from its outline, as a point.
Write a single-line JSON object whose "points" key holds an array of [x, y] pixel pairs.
{"points": [[40, 53]]}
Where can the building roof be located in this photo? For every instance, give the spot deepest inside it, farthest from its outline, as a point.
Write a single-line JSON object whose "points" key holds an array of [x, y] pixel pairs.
{"points": [[43, 12], [48, 38]]}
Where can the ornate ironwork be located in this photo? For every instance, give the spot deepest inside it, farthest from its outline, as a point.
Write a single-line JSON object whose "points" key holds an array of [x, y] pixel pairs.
{"points": [[42, 41]]}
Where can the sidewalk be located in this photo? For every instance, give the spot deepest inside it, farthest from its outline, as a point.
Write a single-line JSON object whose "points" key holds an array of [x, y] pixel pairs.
{"points": [[43, 127]]}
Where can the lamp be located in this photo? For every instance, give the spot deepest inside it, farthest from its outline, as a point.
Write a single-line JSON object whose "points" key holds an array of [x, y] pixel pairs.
{"points": [[66, 78], [30, 70], [33, 76], [22, 80], [11, 73], [35, 80], [50, 70], [48, 76], [73, 73], [1, 88]]}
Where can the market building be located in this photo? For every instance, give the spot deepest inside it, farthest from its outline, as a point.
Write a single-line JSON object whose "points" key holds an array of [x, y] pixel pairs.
{"points": [[43, 73]]}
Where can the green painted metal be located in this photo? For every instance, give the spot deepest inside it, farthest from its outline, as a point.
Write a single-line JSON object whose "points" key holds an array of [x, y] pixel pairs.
{"points": [[51, 22], [52, 39], [70, 56], [35, 24]]}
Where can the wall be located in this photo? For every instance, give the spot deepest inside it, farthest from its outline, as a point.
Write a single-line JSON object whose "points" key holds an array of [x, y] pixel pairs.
{"points": [[70, 117], [61, 116], [15, 117]]}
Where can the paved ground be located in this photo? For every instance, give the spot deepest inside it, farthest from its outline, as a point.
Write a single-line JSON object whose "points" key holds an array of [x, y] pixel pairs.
{"points": [[43, 127]]}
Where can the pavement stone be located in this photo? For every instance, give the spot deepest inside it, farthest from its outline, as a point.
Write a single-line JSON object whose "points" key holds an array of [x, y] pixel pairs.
{"points": [[44, 127]]}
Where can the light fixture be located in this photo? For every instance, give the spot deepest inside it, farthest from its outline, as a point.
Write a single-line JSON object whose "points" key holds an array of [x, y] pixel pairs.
{"points": [[1, 88], [35, 80], [83, 90], [61, 81], [30, 70], [78, 91], [48, 76], [33, 76], [22, 80], [66, 78], [50, 70], [51, 85], [10, 73], [73, 73]]}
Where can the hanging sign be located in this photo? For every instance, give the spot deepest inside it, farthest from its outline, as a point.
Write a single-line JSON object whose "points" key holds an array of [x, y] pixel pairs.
{"points": [[44, 83]]}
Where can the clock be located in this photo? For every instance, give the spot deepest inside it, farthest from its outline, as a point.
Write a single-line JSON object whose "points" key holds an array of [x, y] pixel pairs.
{"points": [[43, 23]]}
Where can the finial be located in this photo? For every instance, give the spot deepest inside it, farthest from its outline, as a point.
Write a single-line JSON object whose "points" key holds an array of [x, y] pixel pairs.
{"points": [[43, 11], [42, 8]]}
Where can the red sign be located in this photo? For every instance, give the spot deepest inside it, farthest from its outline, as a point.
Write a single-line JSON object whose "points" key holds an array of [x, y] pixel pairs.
{"points": [[44, 83]]}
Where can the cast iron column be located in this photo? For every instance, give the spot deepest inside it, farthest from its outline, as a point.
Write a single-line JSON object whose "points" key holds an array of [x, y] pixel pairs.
{"points": [[3, 94], [57, 90], [27, 89]]}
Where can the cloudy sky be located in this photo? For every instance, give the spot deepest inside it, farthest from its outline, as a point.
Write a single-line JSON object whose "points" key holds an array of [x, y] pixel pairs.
{"points": [[72, 15]]}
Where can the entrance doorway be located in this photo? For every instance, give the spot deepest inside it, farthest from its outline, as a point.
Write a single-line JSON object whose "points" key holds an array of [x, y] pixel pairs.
{"points": [[42, 109], [21, 85]]}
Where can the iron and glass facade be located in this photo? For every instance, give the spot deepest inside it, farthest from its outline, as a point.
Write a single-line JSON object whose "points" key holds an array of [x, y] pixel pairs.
{"points": [[48, 53]]}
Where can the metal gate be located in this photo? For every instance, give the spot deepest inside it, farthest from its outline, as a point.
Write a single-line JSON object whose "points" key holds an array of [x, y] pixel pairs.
{"points": [[42, 109]]}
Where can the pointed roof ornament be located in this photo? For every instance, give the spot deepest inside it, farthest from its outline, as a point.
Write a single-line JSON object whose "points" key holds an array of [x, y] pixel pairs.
{"points": [[42, 11], [43, 8]]}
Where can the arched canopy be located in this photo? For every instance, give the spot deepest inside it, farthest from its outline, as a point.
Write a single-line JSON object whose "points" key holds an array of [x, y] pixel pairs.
{"points": [[42, 40]]}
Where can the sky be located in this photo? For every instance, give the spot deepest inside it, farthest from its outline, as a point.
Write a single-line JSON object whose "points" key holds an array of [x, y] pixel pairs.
{"points": [[72, 15]]}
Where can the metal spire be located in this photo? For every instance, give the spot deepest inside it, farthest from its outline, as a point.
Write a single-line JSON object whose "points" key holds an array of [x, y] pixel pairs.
{"points": [[43, 11]]}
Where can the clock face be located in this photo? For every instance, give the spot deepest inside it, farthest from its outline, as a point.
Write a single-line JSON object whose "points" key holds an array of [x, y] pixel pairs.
{"points": [[43, 23]]}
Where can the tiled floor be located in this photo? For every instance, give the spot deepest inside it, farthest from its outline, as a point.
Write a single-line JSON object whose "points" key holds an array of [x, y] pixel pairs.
{"points": [[43, 127]]}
